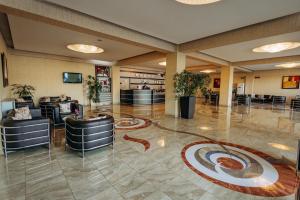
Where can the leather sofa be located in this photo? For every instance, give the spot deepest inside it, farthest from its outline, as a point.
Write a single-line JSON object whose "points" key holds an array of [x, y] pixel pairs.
{"points": [[22, 134], [86, 135]]}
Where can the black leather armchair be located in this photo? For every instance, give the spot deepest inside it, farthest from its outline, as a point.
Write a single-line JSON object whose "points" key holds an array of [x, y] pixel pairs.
{"points": [[22, 134], [52, 111], [58, 116], [86, 135]]}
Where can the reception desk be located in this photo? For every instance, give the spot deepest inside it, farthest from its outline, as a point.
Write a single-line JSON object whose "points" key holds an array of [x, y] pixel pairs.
{"points": [[143, 97]]}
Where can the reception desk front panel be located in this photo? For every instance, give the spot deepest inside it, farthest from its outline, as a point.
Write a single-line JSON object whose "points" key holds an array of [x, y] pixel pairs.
{"points": [[143, 97]]}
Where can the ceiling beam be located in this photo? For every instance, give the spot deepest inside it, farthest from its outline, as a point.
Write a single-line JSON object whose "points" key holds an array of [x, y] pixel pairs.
{"points": [[282, 25], [208, 59], [5, 30], [200, 67], [57, 57], [243, 69], [155, 55], [76, 21], [267, 61]]}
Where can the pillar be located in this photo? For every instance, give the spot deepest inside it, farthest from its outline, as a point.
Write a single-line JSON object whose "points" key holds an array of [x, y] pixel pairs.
{"points": [[250, 78], [175, 64], [115, 79], [226, 85]]}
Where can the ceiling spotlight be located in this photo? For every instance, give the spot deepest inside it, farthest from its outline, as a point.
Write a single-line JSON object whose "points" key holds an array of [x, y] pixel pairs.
{"points": [[289, 65], [280, 146], [163, 63], [207, 71], [84, 48], [277, 47], [197, 2]]}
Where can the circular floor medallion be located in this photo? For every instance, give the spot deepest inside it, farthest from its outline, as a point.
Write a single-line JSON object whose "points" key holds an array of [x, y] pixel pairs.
{"points": [[131, 123], [240, 168]]}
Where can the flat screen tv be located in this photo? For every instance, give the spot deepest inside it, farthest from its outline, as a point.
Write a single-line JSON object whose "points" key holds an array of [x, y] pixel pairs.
{"points": [[70, 77]]}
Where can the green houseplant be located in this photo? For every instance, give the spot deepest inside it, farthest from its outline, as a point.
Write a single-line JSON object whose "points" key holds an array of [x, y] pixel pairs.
{"points": [[186, 85], [23, 91], [94, 89]]}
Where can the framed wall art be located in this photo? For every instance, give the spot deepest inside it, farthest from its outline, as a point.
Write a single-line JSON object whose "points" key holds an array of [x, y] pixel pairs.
{"points": [[217, 82], [4, 70], [290, 82]]}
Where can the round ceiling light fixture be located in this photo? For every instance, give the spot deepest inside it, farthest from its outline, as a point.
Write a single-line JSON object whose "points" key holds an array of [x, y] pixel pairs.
{"points": [[208, 71], [289, 65], [197, 2], [84, 48], [277, 47], [163, 63]]}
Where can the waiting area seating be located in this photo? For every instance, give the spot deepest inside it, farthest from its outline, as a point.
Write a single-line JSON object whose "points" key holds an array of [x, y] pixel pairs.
{"points": [[85, 135], [214, 99], [20, 134], [243, 100], [295, 104], [57, 110]]}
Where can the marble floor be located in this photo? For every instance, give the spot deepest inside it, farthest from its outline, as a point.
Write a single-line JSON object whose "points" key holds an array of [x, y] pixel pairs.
{"points": [[224, 154]]}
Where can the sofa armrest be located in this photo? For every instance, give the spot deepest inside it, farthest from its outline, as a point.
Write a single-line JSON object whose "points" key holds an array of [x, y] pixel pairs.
{"points": [[36, 112], [80, 107], [56, 115]]}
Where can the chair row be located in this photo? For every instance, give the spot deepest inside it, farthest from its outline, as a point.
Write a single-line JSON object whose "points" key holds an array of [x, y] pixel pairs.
{"points": [[81, 135]]}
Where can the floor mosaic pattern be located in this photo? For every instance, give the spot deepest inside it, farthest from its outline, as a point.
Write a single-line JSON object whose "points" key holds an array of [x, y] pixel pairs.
{"points": [[240, 168], [131, 123]]}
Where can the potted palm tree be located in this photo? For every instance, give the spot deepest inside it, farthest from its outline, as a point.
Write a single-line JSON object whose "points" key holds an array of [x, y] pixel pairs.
{"points": [[23, 91], [186, 85], [94, 89]]}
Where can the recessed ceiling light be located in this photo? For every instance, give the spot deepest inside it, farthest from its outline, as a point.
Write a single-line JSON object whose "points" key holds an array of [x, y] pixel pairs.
{"points": [[280, 146], [207, 71], [84, 48], [277, 47], [205, 128], [197, 2], [289, 65], [163, 63]]}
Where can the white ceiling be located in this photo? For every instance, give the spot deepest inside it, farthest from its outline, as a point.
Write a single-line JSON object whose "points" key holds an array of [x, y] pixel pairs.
{"points": [[243, 51], [178, 23], [39, 37]]}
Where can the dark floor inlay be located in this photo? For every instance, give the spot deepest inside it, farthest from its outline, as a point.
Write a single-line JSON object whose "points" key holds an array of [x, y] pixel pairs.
{"points": [[240, 169], [132, 123], [141, 141]]}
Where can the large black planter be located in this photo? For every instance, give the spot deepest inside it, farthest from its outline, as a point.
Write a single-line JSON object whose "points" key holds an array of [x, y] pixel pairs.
{"points": [[187, 106]]}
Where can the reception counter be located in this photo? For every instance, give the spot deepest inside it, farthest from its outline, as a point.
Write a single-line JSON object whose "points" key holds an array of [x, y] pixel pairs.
{"points": [[143, 97]]}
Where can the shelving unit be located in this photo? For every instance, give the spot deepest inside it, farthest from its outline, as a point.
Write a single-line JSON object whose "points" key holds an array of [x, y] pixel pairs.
{"points": [[132, 80], [103, 75]]}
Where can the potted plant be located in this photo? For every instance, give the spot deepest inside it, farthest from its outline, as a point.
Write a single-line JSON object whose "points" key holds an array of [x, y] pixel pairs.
{"points": [[23, 91], [94, 89], [186, 84]]}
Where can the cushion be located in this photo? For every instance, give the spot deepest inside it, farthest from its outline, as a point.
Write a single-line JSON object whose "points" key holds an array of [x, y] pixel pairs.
{"points": [[20, 100], [65, 107], [92, 118], [20, 114]]}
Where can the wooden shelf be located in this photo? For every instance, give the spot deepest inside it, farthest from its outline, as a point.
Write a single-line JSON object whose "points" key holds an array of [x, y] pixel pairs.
{"points": [[143, 78]]}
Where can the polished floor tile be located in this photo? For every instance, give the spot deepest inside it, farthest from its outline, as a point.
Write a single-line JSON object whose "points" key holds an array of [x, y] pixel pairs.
{"points": [[129, 171]]}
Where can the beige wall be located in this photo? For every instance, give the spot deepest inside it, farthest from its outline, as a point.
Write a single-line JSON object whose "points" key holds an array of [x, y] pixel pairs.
{"points": [[46, 76], [269, 82], [2, 50]]}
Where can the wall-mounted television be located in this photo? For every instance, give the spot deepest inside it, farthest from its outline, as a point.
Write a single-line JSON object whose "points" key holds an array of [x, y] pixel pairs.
{"points": [[70, 77]]}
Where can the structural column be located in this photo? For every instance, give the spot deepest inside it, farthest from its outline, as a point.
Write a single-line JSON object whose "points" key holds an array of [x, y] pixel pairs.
{"points": [[250, 78], [226, 85], [115, 79], [176, 63]]}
